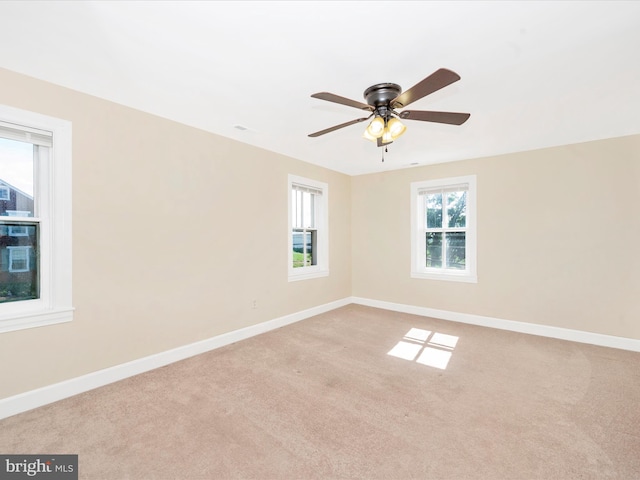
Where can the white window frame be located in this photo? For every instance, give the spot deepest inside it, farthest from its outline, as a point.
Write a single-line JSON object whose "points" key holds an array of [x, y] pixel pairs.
{"points": [[53, 189], [418, 231], [6, 196], [321, 219]]}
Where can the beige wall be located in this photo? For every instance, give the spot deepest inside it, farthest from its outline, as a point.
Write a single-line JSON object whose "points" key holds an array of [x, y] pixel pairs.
{"points": [[557, 236], [175, 232], [169, 250]]}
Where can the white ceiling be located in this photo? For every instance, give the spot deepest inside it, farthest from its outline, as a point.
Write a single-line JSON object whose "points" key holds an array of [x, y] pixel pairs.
{"points": [[534, 74]]}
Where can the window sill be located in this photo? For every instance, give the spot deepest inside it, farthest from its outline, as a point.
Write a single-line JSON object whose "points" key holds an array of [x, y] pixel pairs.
{"points": [[449, 277], [9, 323], [294, 277]]}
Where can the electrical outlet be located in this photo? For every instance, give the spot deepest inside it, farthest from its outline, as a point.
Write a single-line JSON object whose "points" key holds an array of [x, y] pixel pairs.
{"points": [[254, 304]]}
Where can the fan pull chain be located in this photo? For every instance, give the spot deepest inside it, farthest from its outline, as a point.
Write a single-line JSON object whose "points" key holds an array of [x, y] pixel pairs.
{"points": [[385, 150]]}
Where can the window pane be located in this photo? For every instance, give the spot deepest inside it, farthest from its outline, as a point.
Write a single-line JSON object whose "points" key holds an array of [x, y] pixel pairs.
{"points": [[294, 208], [302, 209], [457, 209], [19, 277], [434, 210], [308, 204], [434, 250], [298, 249], [16, 176], [455, 242], [312, 213], [308, 258], [297, 204], [303, 248]]}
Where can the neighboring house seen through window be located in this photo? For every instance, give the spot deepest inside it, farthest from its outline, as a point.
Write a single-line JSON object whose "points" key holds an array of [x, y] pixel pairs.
{"points": [[18, 231], [443, 236], [19, 259], [308, 237], [35, 213]]}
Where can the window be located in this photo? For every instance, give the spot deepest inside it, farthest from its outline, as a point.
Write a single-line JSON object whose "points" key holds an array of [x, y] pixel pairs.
{"points": [[35, 220], [19, 259], [443, 229], [308, 229]]}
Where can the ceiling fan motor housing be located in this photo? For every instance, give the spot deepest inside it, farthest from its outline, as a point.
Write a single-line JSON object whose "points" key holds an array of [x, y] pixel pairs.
{"points": [[381, 94]]}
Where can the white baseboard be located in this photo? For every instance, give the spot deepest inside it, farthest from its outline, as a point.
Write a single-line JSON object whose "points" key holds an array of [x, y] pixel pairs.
{"points": [[522, 327], [42, 396]]}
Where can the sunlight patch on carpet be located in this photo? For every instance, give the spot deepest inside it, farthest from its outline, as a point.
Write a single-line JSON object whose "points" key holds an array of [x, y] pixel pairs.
{"points": [[433, 350], [405, 350]]}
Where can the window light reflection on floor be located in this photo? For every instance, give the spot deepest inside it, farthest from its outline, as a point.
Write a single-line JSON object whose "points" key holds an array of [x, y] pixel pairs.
{"points": [[406, 350], [433, 352], [418, 334]]}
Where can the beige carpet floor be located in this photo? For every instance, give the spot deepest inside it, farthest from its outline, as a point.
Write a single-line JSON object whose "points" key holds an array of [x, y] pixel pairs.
{"points": [[325, 399]]}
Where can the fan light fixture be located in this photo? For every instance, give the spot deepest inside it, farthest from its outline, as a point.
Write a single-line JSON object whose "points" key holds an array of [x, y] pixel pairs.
{"points": [[384, 100], [389, 130]]}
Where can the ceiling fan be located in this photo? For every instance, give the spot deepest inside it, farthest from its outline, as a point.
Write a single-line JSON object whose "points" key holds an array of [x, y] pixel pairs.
{"points": [[384, 98]]}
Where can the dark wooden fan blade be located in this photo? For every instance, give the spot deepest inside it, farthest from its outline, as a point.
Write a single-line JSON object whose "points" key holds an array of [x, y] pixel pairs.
{"points": [[330, 97], [336, 127], [381, 143], [434, 82], [452, 118]]}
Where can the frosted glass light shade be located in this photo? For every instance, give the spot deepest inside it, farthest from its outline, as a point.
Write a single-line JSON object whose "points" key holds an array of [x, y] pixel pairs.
{"points": [[376, 127], [386, 136], [368, 136], [396, 128]]}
